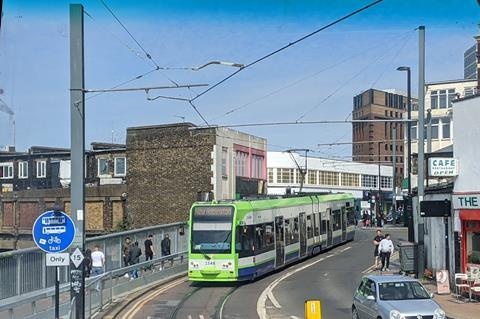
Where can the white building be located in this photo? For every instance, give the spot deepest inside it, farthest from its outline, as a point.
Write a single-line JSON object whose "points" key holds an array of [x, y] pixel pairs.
{"points": [[325, 175]]}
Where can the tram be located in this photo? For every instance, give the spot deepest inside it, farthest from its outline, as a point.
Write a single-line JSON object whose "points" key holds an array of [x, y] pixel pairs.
{"points": [[243, 239]]}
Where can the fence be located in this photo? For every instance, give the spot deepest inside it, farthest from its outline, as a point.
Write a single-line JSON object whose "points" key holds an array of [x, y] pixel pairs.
{"points": [[24, 271], [100, 291]]}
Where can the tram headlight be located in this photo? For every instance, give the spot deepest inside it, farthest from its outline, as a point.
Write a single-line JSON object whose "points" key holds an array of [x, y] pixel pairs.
{"points": [[194, 265]]}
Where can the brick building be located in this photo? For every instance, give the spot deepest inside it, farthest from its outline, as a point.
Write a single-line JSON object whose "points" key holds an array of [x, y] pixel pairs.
{"points": [[170, 166], [373, 142]]}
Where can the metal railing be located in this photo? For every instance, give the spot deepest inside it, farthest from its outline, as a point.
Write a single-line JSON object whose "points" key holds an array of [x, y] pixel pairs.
{"points": [[24, 271], [100, 290]]}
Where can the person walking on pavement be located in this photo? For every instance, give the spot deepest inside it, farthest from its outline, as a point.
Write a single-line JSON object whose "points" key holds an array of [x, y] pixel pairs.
{"points": [[125, 251], [165, 246], [376, 242], [134, 258], [149, 248], [98, 264], [386, 249]]}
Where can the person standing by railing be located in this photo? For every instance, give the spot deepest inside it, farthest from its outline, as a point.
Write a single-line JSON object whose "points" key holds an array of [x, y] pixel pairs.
{"points": [[134, 258], [98, 264]]}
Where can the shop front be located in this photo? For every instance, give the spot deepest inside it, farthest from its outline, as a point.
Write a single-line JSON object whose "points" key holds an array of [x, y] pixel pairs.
{"points": [[468, 208]]}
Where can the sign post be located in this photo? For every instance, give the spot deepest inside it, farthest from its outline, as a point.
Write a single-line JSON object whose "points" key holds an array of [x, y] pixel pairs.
{"points": [[53, 232]]}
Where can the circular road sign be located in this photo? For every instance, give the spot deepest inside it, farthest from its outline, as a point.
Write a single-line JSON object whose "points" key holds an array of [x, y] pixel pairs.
{"points": [[53, 231]]}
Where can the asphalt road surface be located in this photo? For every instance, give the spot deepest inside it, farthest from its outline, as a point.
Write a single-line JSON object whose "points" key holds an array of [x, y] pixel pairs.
{"points": [[330, 277]]}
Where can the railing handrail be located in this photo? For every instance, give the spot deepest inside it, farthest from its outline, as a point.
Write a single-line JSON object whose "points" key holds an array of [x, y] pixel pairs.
{"points": [[95, 238], [13, 302]]}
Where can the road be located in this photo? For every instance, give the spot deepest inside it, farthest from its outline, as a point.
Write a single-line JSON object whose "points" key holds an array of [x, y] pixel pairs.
{"points": [[331, 277]]}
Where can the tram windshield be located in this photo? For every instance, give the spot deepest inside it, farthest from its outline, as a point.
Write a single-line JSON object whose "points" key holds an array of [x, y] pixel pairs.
{"points": [[212, 229]]}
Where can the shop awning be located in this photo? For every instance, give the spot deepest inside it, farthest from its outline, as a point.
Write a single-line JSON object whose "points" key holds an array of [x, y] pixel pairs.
{"points": [[470, 214]]}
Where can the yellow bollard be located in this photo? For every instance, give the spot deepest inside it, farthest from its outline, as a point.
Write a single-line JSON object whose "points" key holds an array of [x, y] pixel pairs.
{"points": [[313, 309]]}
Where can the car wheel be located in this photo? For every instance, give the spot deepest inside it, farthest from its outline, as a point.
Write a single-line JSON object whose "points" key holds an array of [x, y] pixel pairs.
{"points": [[355, 313]]}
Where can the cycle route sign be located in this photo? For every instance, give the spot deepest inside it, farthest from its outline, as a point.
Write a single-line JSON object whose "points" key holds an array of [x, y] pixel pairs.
{"points": [[53, 231]]}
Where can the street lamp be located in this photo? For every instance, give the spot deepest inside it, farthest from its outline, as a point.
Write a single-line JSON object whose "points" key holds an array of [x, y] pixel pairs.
{"points": [[232, 64], [409, 127], [408, 207]]}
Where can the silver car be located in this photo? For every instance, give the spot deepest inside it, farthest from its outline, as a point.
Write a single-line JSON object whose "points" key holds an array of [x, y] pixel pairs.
{"points": [[394, 297]]}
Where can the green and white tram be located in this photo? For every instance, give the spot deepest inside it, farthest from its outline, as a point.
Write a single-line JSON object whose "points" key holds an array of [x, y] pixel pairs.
{"points": [[244, 239]]}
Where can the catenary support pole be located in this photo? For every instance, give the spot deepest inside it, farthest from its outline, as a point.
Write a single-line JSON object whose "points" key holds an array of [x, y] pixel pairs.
{"points": [[77, 134], [57, 292]]}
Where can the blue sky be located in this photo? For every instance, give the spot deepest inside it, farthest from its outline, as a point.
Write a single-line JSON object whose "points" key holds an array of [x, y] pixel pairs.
{"points": [[357, 54]]}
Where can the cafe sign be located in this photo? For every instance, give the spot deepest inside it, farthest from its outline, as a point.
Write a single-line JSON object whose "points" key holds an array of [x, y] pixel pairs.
{"points": [[442, 167], [469, 201]]}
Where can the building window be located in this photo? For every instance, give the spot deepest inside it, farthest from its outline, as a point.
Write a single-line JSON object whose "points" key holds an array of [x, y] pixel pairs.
{"points": [[6, 170], [445, 127], [270, 175], [102, 166], [285, 175], [328, 178], [241, 160], [312, 177], [120, 166], [22, 169], [413, 131], [224, 161], [445, 98], [469, 91], [41, 169], [257, 166], [434, 100], [435, 128], [369, 181], [385, 182], [349, 179]]}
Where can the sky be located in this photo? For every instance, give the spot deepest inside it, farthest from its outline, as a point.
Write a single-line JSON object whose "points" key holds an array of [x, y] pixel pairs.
{"points": [[316, 79]]}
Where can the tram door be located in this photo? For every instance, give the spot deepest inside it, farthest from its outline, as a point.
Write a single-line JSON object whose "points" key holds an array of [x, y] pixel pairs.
{"points": [[329, 228], [303, 234], [279, 242], [344, 225]]}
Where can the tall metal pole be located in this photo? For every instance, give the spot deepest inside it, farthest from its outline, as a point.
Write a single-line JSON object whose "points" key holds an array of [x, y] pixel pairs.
{"points": [[421, 145], [77, 131], [394, 185], [409, 131], [429, 131]]}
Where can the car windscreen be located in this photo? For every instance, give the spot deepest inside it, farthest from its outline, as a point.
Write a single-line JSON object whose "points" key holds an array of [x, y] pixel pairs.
{"points": [[402, 290]]}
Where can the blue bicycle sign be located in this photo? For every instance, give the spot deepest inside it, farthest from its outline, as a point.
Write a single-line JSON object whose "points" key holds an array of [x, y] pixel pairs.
{"points": [[53, 231]]}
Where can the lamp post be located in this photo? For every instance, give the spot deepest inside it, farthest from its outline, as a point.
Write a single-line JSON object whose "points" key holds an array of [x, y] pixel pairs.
{"points": [[409, 127]]}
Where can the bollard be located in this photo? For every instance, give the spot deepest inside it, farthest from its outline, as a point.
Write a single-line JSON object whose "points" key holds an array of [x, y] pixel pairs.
{"points": [[313, 309]]}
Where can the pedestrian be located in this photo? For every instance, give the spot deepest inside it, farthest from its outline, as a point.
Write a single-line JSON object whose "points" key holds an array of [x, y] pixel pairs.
{"points": [[165, 246], [376, 241], [125, 251], [88, 262], [134, 258], [386, 249], [149, 252], [98, 264]]}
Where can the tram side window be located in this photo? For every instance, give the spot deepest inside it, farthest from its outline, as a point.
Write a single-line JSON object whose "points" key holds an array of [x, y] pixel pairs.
{"points": [[316, 225], [337, 220], [309, 227], [350, 216], [244, 245], [288, 232], [264, 238], [324, 227], [295, 230]]}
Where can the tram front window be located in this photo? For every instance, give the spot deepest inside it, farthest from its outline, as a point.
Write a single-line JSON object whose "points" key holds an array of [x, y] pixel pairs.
{"points": [[212, 229]]}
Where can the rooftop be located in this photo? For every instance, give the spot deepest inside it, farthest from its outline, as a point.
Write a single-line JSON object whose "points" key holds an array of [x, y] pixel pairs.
{"points": [[390, 278]]}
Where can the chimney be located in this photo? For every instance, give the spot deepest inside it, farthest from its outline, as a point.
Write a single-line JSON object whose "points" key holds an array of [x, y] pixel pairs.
{"points": [[477, 37]]}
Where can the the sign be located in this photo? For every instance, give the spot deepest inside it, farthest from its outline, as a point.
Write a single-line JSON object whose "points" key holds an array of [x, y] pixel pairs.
{"points": [[57, 259], [443, 282], [364, 204], [53, 231], [470, 201], [77, 257], [435, 208], [442, 167]]}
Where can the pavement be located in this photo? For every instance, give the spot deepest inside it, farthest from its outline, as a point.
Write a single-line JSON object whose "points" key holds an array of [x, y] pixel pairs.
{"points": [[455, 308]]}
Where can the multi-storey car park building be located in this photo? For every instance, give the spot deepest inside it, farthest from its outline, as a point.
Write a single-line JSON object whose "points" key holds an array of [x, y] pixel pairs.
{"points": [[327, 175]]}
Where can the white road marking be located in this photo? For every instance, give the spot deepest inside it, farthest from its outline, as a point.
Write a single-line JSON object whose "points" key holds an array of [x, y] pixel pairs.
{"points": [[189, 317], [201, 317], [273, 300], [294, 317], [268, 292]]}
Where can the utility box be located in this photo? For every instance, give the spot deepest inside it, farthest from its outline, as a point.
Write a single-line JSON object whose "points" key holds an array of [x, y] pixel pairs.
{"points": [[313, 309], [408, 252]]}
